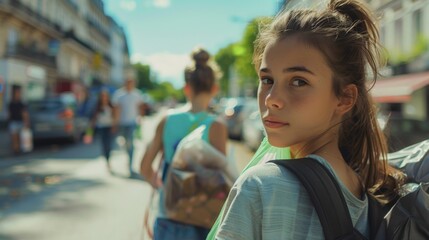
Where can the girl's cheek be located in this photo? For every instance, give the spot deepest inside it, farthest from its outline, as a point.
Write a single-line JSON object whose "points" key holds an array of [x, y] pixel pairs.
{"points": [[262, 95]]}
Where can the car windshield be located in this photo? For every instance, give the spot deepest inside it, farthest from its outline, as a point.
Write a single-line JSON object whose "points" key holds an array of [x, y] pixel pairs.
{"points": [[45, 106]]}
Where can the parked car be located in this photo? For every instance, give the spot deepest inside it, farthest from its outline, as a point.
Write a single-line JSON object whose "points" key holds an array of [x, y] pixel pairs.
{"points": [[402, 132], [253, 129], [234, 111], [55, 117]]}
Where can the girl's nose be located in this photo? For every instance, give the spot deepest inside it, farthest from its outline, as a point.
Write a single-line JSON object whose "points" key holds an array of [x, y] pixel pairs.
{"points": [[274, 99]]}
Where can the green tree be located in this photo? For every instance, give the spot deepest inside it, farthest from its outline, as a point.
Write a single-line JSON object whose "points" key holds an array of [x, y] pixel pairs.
{"points": [[164, 90], [143, 75], [225, 59], [420, 46], [244, 63]]}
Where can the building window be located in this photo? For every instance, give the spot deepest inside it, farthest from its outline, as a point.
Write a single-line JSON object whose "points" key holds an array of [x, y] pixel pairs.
{"points": [[12, 39], [417, 22], [40, 6], [399, 31], [383, 35]]}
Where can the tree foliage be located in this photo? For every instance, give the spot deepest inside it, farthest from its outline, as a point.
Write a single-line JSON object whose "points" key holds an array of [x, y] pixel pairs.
{"points": [[148, 82], [244, 63], [238, 57], [165, 90], [420, 46], [143, 76], [225, 59]]}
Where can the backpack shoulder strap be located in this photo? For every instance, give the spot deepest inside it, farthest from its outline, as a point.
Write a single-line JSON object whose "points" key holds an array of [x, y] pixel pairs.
{"points": [[325, 194]]}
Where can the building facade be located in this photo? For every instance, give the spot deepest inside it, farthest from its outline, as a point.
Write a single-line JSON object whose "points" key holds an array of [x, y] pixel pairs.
{"points": [[404, 32], [119, 53], [49, 47]]}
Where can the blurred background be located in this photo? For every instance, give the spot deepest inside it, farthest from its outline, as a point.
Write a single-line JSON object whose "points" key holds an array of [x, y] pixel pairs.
{"points": [[62, 52]]}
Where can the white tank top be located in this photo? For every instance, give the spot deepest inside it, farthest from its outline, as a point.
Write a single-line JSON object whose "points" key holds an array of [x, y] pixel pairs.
{"points": [[104, 117]]}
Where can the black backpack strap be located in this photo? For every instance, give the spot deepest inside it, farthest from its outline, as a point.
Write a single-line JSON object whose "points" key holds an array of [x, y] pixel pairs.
{"points": [[325, 194]]}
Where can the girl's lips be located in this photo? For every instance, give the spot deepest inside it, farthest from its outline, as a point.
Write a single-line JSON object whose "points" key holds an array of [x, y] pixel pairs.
{"points": [[274, 124]]}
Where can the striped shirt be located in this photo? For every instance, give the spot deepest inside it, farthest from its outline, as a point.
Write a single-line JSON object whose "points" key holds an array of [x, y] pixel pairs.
{"points": [[269, 202]]}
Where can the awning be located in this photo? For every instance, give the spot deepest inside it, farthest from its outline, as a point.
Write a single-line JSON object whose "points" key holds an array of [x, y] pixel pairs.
{"points": [[398, 89]]}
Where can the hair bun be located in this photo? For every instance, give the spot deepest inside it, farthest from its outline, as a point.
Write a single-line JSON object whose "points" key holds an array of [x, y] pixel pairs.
{"points": [[200, 56], [353, 10]]}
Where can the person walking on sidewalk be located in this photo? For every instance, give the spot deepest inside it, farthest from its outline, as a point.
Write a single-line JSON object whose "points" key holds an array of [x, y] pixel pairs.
{"points": [[102, 121], [199, 89], [18, 118], [129, 105]]}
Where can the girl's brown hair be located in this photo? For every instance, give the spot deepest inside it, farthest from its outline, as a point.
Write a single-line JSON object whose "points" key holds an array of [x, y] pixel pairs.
{"points": [[346, 34], [200, 75]]}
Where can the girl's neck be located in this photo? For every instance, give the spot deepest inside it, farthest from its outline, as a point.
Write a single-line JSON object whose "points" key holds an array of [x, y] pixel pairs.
{"points": [[328, 149], [199, 103]]}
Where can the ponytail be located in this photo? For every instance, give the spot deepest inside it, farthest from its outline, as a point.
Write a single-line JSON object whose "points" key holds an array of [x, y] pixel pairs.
{"points": [[363, 22]]}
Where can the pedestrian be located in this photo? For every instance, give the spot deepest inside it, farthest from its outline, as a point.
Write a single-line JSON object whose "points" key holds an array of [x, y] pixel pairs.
{"points": [[200, 88], [129, 106], [18, 118], [314, 65], [102, 121], [85, 106]]}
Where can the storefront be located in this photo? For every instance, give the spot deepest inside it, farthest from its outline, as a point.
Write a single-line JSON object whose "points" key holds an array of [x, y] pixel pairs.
{"points": [[31, 77], [406, 95]]}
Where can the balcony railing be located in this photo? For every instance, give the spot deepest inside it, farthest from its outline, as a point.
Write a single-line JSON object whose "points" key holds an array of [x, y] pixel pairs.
{"points": [[16, 6], [71, 35], [72, 4], [92, 23], [30, 54]]}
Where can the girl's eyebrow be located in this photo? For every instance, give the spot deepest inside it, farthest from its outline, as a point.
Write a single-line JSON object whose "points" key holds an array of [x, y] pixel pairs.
{"points": [[297, 69], [290, 69], [265, 70]]}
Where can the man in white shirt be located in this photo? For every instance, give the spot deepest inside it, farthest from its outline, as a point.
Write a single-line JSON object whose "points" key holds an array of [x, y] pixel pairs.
{"points": [[129, 105]]}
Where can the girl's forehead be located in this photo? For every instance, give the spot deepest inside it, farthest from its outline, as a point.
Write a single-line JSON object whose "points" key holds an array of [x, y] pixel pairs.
{"points": [[293, 51]]}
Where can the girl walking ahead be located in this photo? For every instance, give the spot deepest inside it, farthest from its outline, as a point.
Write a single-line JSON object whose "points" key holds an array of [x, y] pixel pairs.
{"points": [[200, 88]]}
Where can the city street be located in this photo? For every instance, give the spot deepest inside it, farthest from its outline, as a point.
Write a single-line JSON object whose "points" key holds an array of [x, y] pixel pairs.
{"points": [[66, 192]]}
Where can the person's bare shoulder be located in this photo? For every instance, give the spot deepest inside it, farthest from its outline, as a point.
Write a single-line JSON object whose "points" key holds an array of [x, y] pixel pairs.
{"points": [[218, 136], [219, 124]]}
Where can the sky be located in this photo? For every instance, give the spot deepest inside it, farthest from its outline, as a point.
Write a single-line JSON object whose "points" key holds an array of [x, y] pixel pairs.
{"points": [[162, 33]]}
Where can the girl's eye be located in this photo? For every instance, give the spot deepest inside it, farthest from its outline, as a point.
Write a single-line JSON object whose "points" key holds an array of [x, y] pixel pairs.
{"points": [[297, 82], [265, 80]]}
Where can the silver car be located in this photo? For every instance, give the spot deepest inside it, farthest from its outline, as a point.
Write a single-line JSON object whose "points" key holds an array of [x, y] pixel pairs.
{"points": [[55, 117], [253, 129], [235, 111]]}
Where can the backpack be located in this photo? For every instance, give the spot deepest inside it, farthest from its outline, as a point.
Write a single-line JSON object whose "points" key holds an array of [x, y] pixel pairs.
{"points": [[197, 182], [413, 161], [407, 218]]}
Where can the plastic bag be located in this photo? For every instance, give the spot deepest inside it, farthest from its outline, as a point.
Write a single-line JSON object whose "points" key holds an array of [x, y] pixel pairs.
{"points": [[198, 181], [26, 137], [150, 215], [88, 137], [413, 161], [138, 132]]}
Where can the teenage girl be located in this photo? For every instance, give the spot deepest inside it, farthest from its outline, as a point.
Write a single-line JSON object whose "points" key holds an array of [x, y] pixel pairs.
{"points": [[313, 95]]}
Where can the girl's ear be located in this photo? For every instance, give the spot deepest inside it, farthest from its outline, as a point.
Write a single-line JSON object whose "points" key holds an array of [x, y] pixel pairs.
{"points": [[215, 89], [187, 90], [347, 99]]}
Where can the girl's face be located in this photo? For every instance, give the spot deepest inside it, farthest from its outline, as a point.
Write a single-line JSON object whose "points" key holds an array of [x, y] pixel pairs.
{"points": [[295, 94]]}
